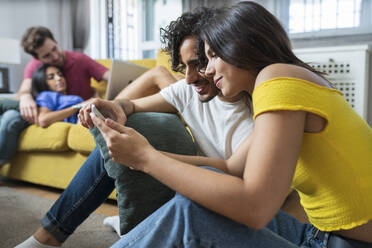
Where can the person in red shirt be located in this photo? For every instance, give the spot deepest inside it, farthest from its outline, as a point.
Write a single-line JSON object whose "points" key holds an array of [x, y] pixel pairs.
{"points": [[77, 67]]}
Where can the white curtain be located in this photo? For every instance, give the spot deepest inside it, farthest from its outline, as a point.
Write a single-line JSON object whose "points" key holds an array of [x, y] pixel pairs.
{"points": [[63, 29], [80, 19]]}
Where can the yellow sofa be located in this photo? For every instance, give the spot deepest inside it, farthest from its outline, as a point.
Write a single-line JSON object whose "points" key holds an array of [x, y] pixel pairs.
{"points": [[51, 156]]}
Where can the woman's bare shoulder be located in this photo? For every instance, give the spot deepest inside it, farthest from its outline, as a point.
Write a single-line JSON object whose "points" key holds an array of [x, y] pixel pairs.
{"points": [[288, 70]]}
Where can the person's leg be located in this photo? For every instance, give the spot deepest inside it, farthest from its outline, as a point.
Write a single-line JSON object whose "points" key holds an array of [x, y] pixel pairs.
{"points": [[8, 104], [182, 223], [289, 228], [11, 126], [89, 188], [149, 83], [86, 192]]}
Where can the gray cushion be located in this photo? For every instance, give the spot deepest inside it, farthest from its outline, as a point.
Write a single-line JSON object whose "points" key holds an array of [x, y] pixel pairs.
{"points": [[138, 194]]}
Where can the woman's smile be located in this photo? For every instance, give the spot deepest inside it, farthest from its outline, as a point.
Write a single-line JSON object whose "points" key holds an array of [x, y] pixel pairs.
{"points": [[218, 82]]}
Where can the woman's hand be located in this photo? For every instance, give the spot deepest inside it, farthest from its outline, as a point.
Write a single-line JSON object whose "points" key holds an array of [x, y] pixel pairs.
{"points": [[126, 146], [109, 109]]}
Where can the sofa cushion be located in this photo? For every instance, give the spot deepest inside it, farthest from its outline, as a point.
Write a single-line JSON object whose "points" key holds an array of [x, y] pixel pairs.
{"points": [[139, 194], [79, 139], [52, 138]]}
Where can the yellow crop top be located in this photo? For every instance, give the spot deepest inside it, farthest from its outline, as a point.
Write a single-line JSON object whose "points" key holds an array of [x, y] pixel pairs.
{"points": [[334, 172]]}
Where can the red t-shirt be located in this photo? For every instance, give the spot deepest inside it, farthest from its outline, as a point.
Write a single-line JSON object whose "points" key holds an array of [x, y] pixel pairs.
{"points": [[78, 69]]}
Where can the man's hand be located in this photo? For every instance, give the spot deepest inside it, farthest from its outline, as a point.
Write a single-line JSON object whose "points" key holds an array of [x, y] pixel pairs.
{"points": [[109, 109], [28, 108], [126, 146]]}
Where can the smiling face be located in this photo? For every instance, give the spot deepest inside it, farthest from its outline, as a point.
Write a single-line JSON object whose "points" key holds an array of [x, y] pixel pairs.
{"points": [[55, 80], [50, 53], [231, 80], [203, 85]]}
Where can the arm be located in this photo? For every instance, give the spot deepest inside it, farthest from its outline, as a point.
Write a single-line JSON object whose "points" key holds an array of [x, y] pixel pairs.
{"points": [[233, 166], [105, 76], [199, 160], [268, 168], [27, 105], [47, 117], [154, 103], [25, 87], [149, 83], [119, 109]]}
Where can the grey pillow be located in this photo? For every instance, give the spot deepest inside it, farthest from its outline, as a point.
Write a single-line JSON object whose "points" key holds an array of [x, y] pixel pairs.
{"points": [[138, 194]]}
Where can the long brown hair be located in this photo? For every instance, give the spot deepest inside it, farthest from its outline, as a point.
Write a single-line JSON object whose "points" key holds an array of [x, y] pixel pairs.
{"points": [[248, 36]]}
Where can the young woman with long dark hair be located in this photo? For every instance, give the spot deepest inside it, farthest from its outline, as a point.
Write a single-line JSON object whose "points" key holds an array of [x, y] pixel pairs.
{"points": [[49, 91], [306, 137]]}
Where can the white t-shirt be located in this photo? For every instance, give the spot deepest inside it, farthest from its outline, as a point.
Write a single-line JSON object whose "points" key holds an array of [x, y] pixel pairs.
{"points": [[217, 126]]}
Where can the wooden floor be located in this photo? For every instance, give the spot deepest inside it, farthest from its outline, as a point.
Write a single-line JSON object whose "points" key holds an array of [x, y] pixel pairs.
{"points": [[109, 208]]}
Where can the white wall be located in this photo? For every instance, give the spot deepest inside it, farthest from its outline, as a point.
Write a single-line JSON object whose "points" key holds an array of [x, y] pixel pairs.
{"points": [[17, 15]]}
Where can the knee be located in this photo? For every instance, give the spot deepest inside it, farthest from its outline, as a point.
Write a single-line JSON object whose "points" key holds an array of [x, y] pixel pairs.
{"points": [[11, 121]]}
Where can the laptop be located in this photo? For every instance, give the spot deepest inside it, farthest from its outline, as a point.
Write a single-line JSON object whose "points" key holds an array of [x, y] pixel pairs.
{"points": [[121, 74]]}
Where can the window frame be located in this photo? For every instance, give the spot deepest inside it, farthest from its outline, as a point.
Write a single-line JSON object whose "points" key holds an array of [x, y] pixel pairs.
{"points": [[281, 10]]}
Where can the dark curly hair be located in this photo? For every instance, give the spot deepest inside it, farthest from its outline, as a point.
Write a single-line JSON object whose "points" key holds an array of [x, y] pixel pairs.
{"points": [[188, 24], [34, 38]]}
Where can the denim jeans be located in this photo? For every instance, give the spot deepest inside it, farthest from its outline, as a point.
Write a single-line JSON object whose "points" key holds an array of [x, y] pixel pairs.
{"points": [[92, 185], [183, 223], [11, 126], [86, 192]]}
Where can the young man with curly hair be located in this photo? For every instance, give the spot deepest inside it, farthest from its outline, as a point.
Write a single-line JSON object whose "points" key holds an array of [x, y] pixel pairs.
{"points": [[185, 97]]}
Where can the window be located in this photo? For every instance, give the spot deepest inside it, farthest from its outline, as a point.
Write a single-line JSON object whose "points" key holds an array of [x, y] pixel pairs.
{"points": [[130, 29], [314, 18], [156, 14], [122, 29]]}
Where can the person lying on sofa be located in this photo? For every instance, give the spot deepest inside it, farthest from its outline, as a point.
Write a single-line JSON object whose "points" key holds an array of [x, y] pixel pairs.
{"points": [[49, 88], [77, 67], [193, 97]]}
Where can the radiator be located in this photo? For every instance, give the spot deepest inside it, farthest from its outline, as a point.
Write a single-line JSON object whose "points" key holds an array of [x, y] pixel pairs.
{"points": [[349, 69]]}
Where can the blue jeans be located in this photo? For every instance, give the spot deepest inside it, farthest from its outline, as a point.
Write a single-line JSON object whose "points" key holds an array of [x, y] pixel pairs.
{"points": [[11, 126], [89, 188], [183, 223], [91, 185]]}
